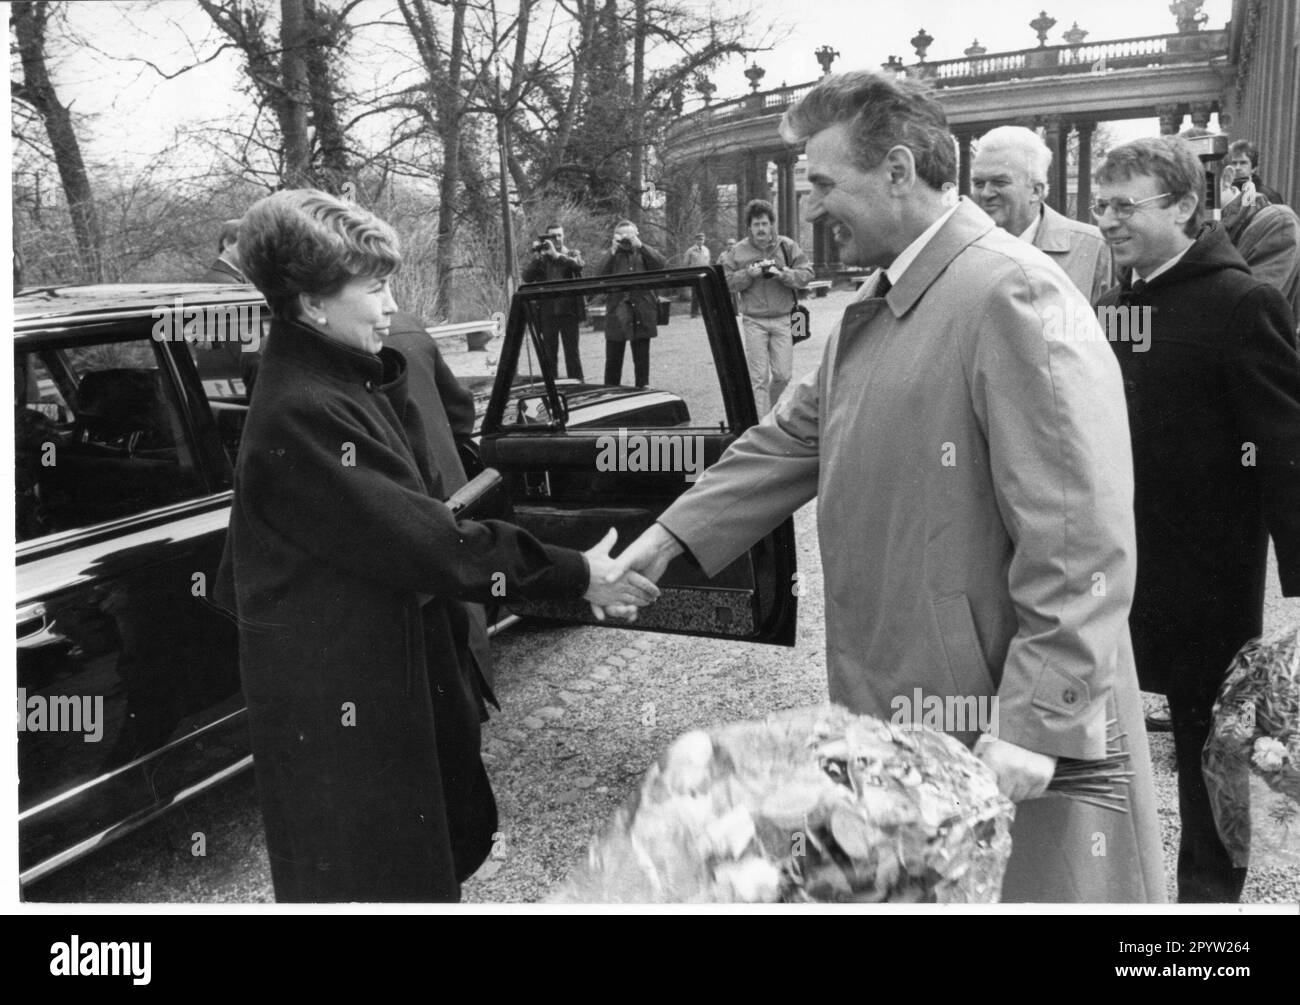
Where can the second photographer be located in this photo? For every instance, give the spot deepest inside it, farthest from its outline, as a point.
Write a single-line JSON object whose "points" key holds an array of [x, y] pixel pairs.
{"points": [[559, 318], [630, 317]]}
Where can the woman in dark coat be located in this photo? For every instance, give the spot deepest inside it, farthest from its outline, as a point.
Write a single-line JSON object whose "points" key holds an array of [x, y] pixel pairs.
{"points": [[348, 578]]}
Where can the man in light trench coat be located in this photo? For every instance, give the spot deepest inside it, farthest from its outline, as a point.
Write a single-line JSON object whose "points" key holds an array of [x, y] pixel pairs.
{"points": [[966, 438]]}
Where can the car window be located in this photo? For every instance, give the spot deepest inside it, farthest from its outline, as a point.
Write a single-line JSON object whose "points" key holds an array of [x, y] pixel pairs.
{"points": [[98, 436], [677, 371]]}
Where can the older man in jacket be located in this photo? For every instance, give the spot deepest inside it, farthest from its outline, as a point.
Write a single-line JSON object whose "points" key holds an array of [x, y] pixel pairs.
{"points": [[973, 485], [1214, 409], [1009, 178]]}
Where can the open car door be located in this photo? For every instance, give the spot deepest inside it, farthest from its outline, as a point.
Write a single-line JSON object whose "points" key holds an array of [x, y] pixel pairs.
{"points": [[580, 456]]}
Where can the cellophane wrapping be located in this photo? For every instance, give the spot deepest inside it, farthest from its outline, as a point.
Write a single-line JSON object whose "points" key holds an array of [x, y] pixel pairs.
{"points": [[809, 805], [1256, 727]]}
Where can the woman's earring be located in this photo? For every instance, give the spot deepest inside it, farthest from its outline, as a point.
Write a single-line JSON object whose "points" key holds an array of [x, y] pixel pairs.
{"points": [[322, 321]]}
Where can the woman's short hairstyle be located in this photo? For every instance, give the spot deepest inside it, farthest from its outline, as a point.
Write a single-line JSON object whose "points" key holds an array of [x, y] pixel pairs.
{"points": [[307, 241], [881, 113], [1167, 159], [759, 207]]}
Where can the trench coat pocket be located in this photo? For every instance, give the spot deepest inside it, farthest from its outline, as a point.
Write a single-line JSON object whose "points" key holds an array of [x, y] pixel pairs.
{"points": [[970, 672], [1060, 691]]}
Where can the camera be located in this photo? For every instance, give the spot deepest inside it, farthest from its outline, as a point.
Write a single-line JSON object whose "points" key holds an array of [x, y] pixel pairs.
{"points": [[540, 244], [768, 266], [625, 243]]}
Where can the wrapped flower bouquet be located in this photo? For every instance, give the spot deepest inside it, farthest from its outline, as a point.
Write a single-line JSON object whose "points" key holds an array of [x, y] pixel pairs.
{"points": [[813, 804], [1256, 728]]}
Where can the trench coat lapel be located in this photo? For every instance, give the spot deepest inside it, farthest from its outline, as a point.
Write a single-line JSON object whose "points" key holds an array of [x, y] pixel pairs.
{"points": [[967, 224]]}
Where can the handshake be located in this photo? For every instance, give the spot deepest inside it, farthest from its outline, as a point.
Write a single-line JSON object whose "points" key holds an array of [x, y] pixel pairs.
{"points": [[619, 587]]}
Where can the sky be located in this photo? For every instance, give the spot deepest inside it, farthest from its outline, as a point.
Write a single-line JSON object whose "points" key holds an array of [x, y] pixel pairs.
{"points": [[135, 113]]}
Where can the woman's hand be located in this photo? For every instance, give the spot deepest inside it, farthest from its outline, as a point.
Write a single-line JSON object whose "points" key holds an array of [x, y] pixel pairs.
{"points": [[610, 586], [648, 555]]}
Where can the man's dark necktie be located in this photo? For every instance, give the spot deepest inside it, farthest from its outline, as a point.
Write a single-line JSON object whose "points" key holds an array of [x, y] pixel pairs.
{"points": [[1138, 286], [883, 284]]}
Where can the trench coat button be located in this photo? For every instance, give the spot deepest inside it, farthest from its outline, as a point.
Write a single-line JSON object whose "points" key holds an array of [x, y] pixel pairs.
{"points": [[370, 385], [1070, 696]]}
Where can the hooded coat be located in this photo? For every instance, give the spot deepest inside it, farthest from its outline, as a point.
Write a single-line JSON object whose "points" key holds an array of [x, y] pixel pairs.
{"points": [[1214, 409], [347, 577]]}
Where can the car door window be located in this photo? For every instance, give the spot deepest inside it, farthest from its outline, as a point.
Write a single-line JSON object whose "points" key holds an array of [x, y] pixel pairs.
{"points": [[98, 436], [652, 321], [579, 458]]}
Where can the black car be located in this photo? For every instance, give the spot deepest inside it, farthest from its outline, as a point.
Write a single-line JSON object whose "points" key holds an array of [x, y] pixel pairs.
{"points": [[129, 402]]}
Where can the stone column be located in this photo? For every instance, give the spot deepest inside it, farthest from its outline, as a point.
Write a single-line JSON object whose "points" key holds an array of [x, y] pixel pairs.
{"points": [[1085, 171], [709, 200], [742, 193], [784, 183], [758, 178], [963, 163], [1171, 119], [1201, 111], [1058, 136]]}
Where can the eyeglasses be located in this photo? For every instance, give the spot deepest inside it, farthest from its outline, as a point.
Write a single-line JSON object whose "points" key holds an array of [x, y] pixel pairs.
{"points": [[1122, 208]]}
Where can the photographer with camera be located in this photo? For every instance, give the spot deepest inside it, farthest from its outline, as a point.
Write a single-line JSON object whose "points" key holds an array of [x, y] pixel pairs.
{"points": [[559, 318], [765, 269], [630, 316]]}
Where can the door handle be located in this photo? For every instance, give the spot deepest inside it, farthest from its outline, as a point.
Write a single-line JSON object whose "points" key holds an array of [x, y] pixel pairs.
{"points": [[537, 484], [32, 621]]}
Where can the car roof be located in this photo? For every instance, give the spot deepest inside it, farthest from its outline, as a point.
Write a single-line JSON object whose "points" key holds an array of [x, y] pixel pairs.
{"points": [[39, 303]]}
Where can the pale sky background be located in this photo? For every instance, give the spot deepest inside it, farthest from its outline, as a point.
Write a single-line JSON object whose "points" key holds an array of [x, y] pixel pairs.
{"points": [[135, 113]]}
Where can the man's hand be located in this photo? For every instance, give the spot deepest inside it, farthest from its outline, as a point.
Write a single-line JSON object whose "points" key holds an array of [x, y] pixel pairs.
{"points": [[613, 589], [754, 269], [1022, 774], [648, 555]]}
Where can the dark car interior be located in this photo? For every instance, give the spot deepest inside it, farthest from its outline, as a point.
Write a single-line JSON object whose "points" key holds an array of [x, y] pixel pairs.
{"points": [[569, 483], [113, 447]]}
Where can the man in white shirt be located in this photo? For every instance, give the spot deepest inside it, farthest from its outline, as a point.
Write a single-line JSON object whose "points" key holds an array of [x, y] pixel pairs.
{"points": [[973, 485], [1009, 180]]}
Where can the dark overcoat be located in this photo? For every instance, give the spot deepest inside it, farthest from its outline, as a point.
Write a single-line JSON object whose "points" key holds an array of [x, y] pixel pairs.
{"points": [[446, 409], [221, 271], [631, 314], [1214, 410], [342, 568]]}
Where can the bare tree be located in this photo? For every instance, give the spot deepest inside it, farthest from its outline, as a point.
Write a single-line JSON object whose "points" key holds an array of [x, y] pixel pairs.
{"points": [[293, 73], [35, 89]]}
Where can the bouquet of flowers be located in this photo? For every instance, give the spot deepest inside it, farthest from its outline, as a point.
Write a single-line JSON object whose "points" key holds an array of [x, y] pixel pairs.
{"points": [[1256, 728], [813, 804]]}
